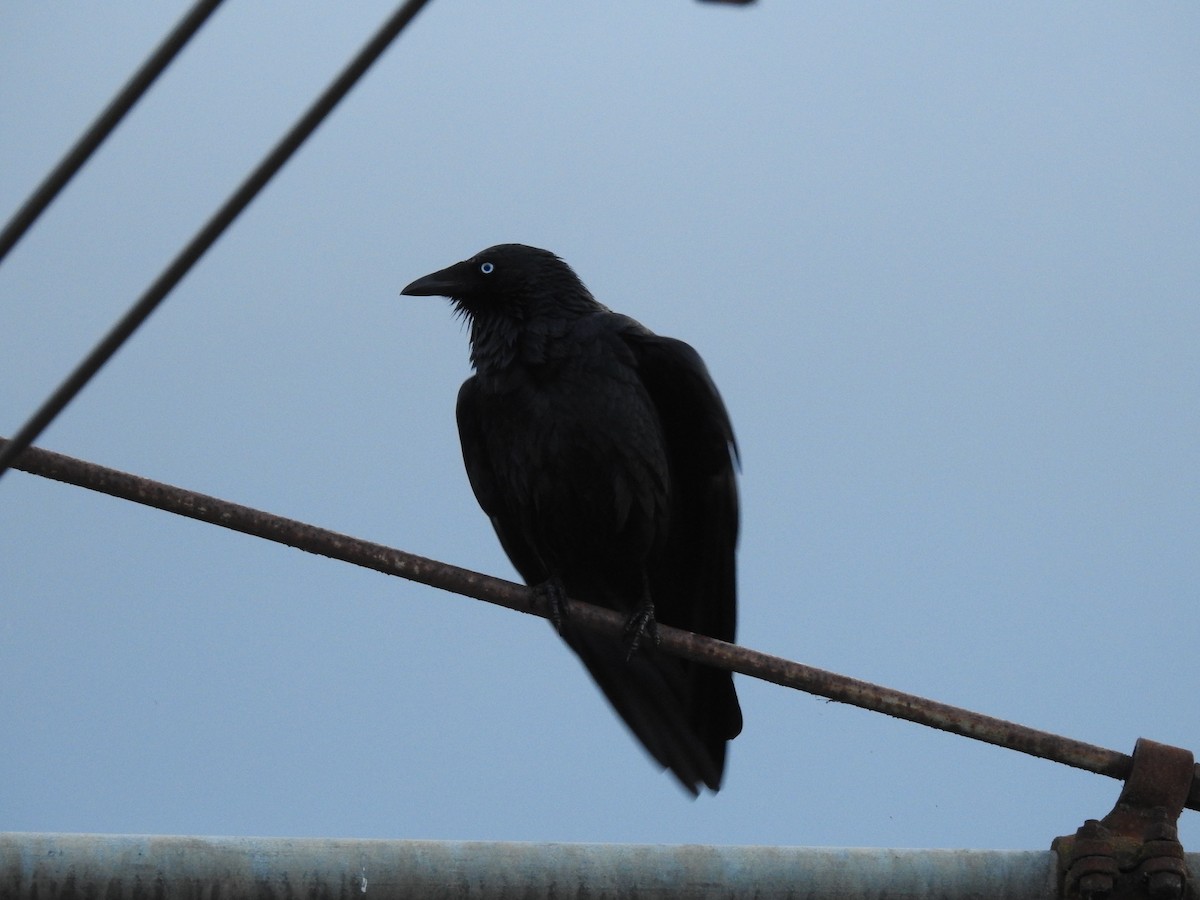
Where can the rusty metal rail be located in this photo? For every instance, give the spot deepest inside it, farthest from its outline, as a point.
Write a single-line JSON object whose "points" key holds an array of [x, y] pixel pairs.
{"points": [[391, 561]]}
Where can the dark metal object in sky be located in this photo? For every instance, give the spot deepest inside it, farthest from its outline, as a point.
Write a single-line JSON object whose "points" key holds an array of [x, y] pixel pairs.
{"points": [[105, 123], [213, 229]]}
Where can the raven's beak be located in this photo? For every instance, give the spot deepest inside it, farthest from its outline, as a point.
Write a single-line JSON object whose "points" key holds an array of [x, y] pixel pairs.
{"points": [[446, 283]]}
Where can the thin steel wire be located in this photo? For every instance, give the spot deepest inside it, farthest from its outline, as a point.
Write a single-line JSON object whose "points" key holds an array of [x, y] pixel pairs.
{"points": [[702, 649], [208, 235], [124, 101]]}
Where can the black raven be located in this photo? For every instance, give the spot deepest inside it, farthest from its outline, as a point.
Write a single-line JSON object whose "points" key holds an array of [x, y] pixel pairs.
{"points": [[605, 459]]}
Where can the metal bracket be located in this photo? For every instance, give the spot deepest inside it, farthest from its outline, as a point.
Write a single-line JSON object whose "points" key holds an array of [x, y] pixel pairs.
{"points": [[1134, 851]]}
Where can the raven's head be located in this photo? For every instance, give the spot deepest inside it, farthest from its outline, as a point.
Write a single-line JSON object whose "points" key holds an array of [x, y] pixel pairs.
{"points": [[508, 280]]}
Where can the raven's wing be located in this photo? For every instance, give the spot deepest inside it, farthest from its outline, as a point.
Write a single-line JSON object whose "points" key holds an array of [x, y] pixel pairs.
{"points": [[483, 483], [700, 591], [693, 581]]}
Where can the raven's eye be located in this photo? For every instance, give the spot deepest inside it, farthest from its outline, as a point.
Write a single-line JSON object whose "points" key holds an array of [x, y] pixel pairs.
{"points": [[487, 268]]}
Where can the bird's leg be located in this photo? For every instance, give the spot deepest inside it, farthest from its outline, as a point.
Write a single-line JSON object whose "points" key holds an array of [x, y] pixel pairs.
{"points": [[641, 624], [552, 596]]}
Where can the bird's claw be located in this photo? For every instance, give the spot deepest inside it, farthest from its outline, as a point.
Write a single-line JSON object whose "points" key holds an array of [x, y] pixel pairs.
{"points": [[551, 597], [641, 624]]}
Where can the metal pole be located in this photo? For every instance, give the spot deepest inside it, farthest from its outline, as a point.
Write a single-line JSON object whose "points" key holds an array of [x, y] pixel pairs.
{"points": [[504, 593], [105, 123], [213, 229], [117, 867]]}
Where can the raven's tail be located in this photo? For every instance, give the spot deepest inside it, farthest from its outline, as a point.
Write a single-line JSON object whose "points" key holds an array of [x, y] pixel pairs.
{"points": [[682, 712]]}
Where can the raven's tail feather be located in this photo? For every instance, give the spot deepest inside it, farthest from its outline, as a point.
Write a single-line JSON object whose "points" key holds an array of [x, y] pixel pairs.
{"points": [[683, 713]]}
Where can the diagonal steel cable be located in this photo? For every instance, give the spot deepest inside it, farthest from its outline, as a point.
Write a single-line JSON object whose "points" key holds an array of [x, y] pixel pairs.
{"points": [[125, 100], [699, 648], [212, 230]]}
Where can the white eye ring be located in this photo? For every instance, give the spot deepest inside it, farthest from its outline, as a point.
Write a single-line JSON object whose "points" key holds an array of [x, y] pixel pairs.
{"points": [[487, 268]]}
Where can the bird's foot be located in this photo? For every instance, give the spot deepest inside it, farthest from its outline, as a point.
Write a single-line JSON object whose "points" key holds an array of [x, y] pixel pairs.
{"points": [[552, 597], [641, 624]]}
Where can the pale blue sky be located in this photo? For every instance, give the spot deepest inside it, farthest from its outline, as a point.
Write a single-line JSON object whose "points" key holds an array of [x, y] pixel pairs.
{"points": [[941, 259]]}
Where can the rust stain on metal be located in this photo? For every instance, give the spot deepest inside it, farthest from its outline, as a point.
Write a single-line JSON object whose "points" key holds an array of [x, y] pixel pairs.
{"points": [[1134, 851]]}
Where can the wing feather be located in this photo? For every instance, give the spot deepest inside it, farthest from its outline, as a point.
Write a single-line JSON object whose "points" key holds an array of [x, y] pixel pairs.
{"points": [[694, 579], [483, 482]]}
